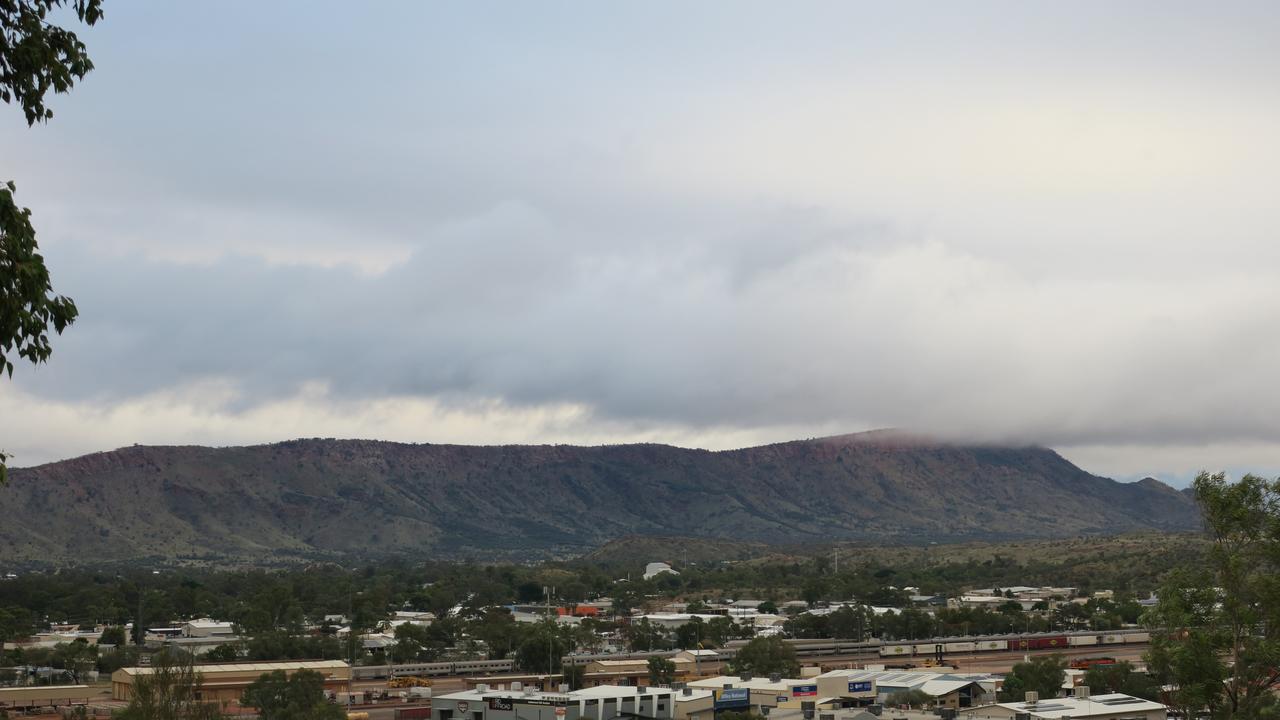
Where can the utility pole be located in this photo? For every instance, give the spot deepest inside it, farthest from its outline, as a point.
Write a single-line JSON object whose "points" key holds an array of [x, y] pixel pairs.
{"points": [[138, 632], [551, 635]]}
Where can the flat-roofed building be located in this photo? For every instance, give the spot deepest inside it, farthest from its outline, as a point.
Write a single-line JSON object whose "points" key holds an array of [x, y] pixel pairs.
{"points": [[227, 681], [770, 692], [598, 703], [950, 690], [22, 698], [1113, 706]]}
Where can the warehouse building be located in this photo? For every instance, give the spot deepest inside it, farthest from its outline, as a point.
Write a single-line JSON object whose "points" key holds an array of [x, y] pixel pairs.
{"points": [[1113, 706], [228, 681], [46, 696], [744, 692], [599, 703], [948, 690]]}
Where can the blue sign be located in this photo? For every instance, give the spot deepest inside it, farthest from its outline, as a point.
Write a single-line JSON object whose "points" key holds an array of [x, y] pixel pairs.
{"points": [[733, 698], [862, 686], [804, 690]]}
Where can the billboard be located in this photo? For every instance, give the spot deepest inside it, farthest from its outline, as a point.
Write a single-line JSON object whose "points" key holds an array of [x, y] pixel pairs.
{"points": [[733, 698], [804, 690]]}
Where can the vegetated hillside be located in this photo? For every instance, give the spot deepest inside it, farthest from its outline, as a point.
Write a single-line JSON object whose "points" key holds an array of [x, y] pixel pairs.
{"points": [[323, 498]]}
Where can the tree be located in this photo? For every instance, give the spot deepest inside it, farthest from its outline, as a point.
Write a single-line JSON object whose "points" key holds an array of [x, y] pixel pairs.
{"points": [[541, 649], [113, 635], [910, 698], [1216, 627], [1121, 678], [1043, 674], [573, 675], [767, 656], [169, 691], [692, 635], [223, 653], [36, 56], [768, 607], [413, 642], [300, 696], [661, 671]]}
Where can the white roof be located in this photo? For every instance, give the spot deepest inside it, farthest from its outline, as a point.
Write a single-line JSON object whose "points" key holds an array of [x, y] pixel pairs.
{"points": [[616, 691], [251, 667], [1096, 706], [933, 683], [755, 683]]}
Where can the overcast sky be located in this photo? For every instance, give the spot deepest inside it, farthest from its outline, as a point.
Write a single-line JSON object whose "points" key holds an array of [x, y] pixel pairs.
{"points": [[706, 224]]}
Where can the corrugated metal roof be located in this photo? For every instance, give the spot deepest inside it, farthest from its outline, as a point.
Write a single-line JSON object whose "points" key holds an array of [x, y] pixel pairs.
{"points": [[251, 667]]}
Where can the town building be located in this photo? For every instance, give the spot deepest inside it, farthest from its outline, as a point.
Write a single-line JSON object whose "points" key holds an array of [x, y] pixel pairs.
{"points": [[599, 703], [744, 692], [654, 569], [228, 681], [1113, 706], [44, 696], [948, 690]]}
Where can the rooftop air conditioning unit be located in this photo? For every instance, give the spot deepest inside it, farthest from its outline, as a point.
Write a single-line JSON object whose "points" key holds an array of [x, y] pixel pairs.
{"points": [[517, 686], [1082, 692], [686, 691], [1032, 697], [776, 677], [482, 688], [745, 677]]}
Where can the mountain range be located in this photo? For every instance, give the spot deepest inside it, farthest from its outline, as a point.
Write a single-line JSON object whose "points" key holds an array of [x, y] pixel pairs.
{"points": [[325, 498]]}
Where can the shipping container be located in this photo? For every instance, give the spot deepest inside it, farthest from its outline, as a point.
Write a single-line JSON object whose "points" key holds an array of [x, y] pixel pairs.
{"points": [[1112, 639], [959, 647], [1038, 643], [1140, 637], [894, 650], [992, 645], [1080, 640]]}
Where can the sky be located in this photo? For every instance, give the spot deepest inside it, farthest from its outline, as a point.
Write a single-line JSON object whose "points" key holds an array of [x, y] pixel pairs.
{"points": [[710, 224]]}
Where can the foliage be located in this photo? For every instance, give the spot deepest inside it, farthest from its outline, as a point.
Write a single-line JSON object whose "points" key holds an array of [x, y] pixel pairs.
{"points": [[278, 696], [36, 56], [1121, 678], [225, 652], [1044, 674], [910, 698], [1217, 635], [414, 643], [542, 648], [113, 635], [170, 691], [767, 656], [573, 675], [661, 671]]}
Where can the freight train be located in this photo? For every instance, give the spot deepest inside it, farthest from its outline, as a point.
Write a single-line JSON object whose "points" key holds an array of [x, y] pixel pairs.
{"points": [[803, 648], [433, 669], [1014, 644]]}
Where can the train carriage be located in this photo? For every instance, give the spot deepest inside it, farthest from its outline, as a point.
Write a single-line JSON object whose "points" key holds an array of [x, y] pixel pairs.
{"points": [[1039, 643], [895, 650]]}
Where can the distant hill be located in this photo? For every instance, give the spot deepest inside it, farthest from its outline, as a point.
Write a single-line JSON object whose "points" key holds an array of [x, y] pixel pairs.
{"points": [[328, 498]]}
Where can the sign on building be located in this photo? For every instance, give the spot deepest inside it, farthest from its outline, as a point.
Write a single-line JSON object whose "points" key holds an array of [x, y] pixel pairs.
{"points": [[856, 686], [804, 690], [733, 698]]}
